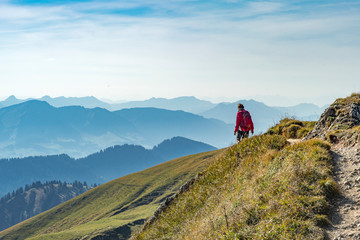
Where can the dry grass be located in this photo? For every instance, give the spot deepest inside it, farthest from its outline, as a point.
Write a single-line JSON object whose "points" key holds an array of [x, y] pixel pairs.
{"points": [[260, 189], [292, 128]]}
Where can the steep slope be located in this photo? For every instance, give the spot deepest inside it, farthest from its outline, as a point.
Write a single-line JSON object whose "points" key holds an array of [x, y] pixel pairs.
{"points": [[100, 167], [36, 198], [264, 189], [260, 189], [112, 210], [340, 124]]}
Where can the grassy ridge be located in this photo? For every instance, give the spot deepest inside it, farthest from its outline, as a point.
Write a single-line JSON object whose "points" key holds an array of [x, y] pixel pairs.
{"points": [[113, 209], [260, 189]]}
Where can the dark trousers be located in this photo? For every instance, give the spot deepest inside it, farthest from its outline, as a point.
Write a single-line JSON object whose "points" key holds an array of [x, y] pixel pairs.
{"points": [[241, 135]]}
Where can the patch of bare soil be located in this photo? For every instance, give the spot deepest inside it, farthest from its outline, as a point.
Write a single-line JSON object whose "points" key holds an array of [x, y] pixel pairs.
{"points": [[345, 208], [293, 140]]}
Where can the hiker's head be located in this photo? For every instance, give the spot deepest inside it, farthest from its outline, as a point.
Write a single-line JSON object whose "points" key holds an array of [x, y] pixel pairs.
{"points": [[240, 106]]}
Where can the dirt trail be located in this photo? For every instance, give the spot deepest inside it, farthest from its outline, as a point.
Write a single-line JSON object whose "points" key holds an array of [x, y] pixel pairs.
{"points": [[293, 140], [345, 209]]}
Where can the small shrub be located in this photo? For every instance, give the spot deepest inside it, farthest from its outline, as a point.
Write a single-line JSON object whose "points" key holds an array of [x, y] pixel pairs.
{"points": [[291, 131], [291, 128]]}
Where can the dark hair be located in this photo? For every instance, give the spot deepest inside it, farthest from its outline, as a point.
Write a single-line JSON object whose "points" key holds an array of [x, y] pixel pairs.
{"points": [[240, 106]]}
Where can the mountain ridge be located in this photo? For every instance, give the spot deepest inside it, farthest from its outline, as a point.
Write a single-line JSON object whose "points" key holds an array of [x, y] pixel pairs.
{"points": [[37, 128], [99, 167]]}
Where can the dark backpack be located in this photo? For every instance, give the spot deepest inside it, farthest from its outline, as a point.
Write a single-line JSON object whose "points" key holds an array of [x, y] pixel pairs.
{"points": [[246, 120]]}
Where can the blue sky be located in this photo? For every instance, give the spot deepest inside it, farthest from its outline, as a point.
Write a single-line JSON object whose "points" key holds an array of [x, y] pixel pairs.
{"points": [[279, 52]]}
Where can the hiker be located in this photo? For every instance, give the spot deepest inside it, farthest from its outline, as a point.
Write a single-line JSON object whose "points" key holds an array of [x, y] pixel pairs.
{"points": [[243, 120]]}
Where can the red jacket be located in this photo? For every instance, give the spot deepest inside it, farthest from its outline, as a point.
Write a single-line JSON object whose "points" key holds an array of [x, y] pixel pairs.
{"points": [[239, 119]]}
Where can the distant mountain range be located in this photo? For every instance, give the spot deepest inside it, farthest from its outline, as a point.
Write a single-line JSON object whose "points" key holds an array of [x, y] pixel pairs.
{"points": [[188, 104], [36, 128], [100, 167], [87, 102], [81, 126], [36, 198]]}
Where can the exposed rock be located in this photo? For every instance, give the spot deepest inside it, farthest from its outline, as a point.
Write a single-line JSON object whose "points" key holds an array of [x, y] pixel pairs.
{"points": [[342, 114]]}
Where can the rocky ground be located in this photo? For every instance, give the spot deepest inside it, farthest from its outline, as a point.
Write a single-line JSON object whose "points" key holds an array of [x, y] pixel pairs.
{"points": [[345, 208]]}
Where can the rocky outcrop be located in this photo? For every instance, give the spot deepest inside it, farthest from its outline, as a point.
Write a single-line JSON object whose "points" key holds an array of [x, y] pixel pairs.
{"points": [[343, 114]]}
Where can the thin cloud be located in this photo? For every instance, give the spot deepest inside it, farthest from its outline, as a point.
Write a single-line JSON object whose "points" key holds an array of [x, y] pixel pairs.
{"points": [[250, 45]]}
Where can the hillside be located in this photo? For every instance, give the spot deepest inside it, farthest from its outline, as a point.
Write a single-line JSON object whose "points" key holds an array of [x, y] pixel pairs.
{"points": [[260, 189], [36, 198], [113, 210], [264, 188], [340, 125], [100, 167]]}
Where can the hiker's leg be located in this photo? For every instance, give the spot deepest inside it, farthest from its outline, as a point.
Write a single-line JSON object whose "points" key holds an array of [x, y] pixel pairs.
{"points": [[238, 136], [246, 134], [241, 135]]}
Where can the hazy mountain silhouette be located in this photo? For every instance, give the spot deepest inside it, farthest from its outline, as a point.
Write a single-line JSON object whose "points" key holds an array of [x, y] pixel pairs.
{"points": [[303, 111], [87, 102], [121, 160], [188, 104], [11, 100], [179, 146], [155, 125], [100, 167], [37, 128]]}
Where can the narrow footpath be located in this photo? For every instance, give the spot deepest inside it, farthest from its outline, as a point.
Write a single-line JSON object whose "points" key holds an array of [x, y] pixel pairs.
{"points": [[345, 209]]}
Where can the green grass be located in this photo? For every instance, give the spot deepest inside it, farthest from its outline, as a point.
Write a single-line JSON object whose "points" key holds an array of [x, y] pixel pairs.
{"points": [[261, 188], [112, 207], [292, 128]]}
